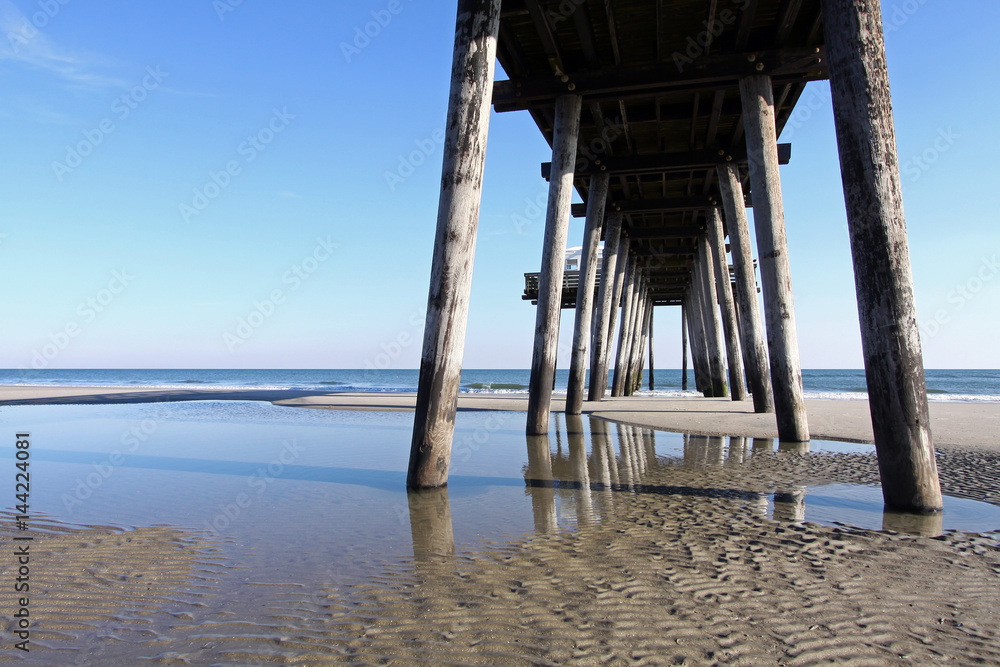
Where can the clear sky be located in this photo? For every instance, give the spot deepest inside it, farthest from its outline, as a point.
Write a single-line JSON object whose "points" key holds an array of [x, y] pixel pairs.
{"points": [[173, 168]]}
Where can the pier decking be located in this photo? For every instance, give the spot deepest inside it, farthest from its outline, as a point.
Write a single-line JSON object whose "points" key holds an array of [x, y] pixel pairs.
{"points": [[664, 116]]}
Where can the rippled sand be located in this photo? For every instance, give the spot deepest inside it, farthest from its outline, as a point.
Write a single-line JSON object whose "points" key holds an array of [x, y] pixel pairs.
{"points": [[699, 559]]}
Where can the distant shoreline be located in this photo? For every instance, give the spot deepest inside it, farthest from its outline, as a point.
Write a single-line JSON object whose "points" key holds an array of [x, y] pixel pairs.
{"points": [[954, 424]]}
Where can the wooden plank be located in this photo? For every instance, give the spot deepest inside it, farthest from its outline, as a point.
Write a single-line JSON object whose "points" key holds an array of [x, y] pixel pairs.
{"points": [[890, 338], [454, 243]]}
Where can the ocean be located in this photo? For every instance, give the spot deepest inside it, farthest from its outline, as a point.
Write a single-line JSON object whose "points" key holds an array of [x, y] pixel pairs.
{"points": [[942, 385]]}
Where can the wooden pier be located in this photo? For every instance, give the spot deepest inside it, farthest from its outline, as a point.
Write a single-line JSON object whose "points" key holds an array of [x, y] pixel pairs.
{"points": [[664, 116]]}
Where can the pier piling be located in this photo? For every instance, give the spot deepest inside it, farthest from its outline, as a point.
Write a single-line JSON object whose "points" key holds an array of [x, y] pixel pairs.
{"points": [[717, 249], [543, 359], [757, 98], [754, 342], [604, 309], [890, 337], [468, 121], [585, 291]]}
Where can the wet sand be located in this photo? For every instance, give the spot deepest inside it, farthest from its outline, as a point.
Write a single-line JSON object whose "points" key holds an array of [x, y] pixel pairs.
{"points": [[962, 425], [681, 562]]}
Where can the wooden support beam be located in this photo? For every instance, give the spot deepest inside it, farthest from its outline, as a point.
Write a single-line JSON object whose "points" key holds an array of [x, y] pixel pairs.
{"points": [[635, 348], [625, 329], [717, 253], [585, 293], [543, 358], [709, 72], [671, 232], [752, 337], [699, 347], [713, 322], [454, 243], [605, 312], [621, 279], [675, 205], [663, 163], [652, 382], [776, 278], [684, 347], [890, 337]]}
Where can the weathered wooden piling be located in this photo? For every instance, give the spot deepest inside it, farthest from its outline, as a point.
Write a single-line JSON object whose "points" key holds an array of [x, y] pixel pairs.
{"points": [[652, 381], [713, 322], [565, 133], [468, 119], [696, 336], [684, 347], [754, 342], [625, 328], [717, 249], [621, 279], [636, 347], [604, 312], [757, 97], [585, 291], [890, 337]]}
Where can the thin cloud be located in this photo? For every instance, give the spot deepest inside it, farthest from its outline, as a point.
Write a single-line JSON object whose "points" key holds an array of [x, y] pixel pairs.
{"points": [[24, 43]]}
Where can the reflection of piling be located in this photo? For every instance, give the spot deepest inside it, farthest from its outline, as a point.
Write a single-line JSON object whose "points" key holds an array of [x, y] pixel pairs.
{"points": [[793, 447], [430, 523], [790, 505], [737, 450], [540, 483], [579, 472], [924, 525], [761, 445]]}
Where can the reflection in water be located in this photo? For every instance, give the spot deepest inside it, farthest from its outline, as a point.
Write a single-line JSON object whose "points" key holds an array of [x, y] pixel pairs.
{"points": [[577, 485], [538, 476], [430, 524], [925, 525]]}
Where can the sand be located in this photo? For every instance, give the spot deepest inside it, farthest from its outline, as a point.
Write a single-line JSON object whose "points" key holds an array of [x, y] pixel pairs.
{"points": [[669, 561], [962, 425], [681, 569]]}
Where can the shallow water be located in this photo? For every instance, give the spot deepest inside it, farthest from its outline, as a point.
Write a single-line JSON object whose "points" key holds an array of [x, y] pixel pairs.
{"points": [[311, 504]]}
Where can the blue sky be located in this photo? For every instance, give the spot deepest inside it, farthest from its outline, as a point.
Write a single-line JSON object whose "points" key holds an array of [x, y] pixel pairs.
{"points": [[172, 169]]}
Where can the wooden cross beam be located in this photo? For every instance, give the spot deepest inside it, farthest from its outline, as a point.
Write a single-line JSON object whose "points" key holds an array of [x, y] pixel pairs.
{"points": [[709, 72]]}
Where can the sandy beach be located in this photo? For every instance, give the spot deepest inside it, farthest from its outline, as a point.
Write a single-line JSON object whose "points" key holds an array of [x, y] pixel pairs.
{"points": [[702, 556], [954, 424]]}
